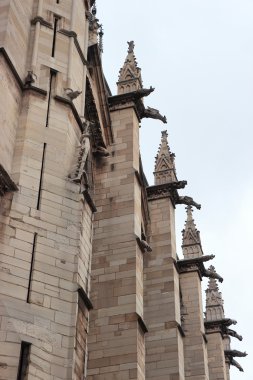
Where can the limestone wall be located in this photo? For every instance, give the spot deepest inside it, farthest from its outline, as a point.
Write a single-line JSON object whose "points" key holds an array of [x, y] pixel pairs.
{"points": [[116, 344], [46, 226]]}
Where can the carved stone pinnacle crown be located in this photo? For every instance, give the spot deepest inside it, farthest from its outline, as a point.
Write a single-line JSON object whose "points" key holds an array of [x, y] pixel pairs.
{"points": [[165, 171], [191, 243], [130, 74]]}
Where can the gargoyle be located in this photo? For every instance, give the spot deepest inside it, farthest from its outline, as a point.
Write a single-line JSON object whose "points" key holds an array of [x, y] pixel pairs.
{"points": [[212, 274], [229, 321], [233, 353], [233, 334], [141, 92], [188, 201], [72, 94], [236, 364], [101, 151], [154, 114], [143, 244]]}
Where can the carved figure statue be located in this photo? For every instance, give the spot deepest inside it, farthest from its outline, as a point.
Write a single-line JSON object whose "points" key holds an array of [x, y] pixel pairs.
{"points": [[72, 94], [29, 79], [188, 201], [212, 274], [236, 364], [143, 244], [130, 46], [233, 334], [153, 113], [101, 151]]}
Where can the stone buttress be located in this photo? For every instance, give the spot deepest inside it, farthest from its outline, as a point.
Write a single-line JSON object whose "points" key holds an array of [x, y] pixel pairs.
{"points": [[219, 333], [164, 341], [195, 351], [116, 342]]}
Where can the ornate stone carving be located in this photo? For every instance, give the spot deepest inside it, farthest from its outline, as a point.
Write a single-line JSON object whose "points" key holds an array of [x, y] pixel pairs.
{"points": [[30, 78], [191, 244], [233, 333], [236, 364], [211, 273], [82, 155], [143, 244], [235, 353], [130, 74], [165, 190], [153, 113], [72, 94], [92, 115], [130, 47], [188, 201], [165, 170]]}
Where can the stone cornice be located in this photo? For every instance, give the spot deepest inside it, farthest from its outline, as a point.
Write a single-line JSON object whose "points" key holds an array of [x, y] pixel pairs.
{"points": [[130, 99], [42, 21], [195, 264], [166, 190]]}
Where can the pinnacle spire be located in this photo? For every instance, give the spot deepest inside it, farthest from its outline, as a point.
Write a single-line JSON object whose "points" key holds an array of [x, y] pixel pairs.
{"points": [[191, 243], [165, 171], [130, 73], [214, 301]]}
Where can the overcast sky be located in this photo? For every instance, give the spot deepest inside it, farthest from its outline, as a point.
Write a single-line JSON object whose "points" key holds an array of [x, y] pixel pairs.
{"points": [[198, 54]]}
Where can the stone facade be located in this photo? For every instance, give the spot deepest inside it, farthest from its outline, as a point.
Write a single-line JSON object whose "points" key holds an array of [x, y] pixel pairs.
{"points": [[91, 286]]}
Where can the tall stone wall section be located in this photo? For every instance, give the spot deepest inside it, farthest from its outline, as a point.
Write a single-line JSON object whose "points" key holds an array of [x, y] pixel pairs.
{"points": [[46, 226], [164, 341], [116, 341]]}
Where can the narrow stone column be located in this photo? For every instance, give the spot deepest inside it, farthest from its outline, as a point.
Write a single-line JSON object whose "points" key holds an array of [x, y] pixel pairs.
{"points": [[195, 351], [116, 343]]}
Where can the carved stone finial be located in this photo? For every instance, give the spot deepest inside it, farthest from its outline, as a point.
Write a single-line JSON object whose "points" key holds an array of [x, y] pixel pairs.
{"points": [[191, 243], [101, 34], [130, 74], [214, 301], [130, 46], [165, 170]]}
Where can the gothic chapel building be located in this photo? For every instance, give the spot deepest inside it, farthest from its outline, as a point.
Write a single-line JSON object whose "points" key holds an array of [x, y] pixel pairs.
{"points": [[91, 286]]}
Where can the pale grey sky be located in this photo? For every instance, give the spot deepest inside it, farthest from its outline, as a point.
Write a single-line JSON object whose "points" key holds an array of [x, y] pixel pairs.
{"points": [[198, 54]]}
